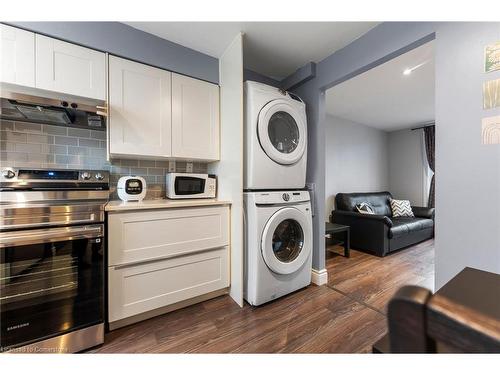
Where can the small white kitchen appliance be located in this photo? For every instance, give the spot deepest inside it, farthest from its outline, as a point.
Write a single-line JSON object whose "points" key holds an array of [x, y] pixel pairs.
{"points": [[131, 188]]}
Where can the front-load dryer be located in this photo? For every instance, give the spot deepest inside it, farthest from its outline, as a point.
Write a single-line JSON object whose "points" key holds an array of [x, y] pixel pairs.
{"points": [[278, 244], [275, 139]]}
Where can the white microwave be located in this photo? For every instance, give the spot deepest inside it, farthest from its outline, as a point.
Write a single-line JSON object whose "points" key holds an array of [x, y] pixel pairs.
{"points": [[191, 185]]}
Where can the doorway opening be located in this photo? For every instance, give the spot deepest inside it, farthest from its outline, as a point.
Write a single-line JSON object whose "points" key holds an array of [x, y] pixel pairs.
{"points": [[379, 129]]}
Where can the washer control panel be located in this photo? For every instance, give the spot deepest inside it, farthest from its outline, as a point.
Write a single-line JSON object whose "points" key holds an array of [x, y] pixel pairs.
{"points": [[282, 197]]}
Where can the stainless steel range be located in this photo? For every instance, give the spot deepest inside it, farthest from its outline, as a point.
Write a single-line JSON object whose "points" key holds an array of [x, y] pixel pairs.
{"points": [[52, 259]]}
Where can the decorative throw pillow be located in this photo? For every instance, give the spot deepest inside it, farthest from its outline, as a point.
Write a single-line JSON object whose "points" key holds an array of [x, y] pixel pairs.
{"points": [[364, 208], [401, 208]]}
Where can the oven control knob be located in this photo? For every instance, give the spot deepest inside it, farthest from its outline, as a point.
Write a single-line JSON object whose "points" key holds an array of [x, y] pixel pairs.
{"points": [[286, 197], [99, 176], [8, 173], [86, 175]]}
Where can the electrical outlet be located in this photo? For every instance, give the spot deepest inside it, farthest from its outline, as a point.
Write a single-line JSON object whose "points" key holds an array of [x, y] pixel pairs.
{"points": [[189, 167], [171, 165]]}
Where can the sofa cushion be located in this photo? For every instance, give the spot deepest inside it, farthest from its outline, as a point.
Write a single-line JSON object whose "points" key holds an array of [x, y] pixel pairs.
{"points": [[401, 208], [365, 208], [379, 202], [404, 225]]}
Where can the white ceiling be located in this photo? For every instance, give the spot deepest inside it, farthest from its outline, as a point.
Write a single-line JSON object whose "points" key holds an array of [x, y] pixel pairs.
{"points": [[386, 99], [275, 49]]}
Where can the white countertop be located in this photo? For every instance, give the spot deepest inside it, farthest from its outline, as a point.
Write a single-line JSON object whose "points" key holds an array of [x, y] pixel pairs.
{"points": [[118, 205]]}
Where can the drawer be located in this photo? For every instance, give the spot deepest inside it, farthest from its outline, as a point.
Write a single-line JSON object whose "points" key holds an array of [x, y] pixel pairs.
{"points": [[155, 234], [136, 289]]}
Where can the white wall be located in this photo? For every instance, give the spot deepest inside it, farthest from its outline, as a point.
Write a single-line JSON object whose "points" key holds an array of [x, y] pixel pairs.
{"points": [[229, 169], [408, 166], [356, 159]]}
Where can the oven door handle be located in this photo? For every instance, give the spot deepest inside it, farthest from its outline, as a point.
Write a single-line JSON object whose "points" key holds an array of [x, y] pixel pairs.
{"points": [[91, 218], [37, 236]]}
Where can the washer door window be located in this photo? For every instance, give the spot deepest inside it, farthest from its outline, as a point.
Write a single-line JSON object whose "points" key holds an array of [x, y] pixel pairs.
{"points": [[282, 132], [286, 241]]}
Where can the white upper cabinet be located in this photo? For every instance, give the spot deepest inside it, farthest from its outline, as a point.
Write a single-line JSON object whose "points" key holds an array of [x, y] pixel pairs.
{"points": [[70, 69], [17, 56], [139, 109], [195, 118]]}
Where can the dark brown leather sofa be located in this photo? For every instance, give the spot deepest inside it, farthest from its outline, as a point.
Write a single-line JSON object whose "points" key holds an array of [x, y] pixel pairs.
{"points": [[381, 233]]}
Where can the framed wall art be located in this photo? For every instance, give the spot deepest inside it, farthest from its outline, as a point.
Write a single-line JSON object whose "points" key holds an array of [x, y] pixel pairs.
{"points": [[492, 57]]}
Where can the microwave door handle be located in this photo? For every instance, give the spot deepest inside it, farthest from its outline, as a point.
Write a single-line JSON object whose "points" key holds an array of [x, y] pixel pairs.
{"points": [[30, 237]]}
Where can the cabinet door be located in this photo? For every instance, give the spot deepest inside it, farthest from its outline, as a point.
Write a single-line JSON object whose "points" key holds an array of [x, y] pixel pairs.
{"points": [[144, 287], [70, 69], [140, 109], [170, 233], [195, 118], [17, 56]]}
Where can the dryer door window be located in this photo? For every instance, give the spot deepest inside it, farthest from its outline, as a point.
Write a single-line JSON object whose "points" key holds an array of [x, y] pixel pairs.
{"points": [[282, 132], [286, 240]]}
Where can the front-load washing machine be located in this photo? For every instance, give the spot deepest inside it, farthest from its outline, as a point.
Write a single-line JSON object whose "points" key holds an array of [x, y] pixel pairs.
{"points": [[275, 139], [278, 244]]}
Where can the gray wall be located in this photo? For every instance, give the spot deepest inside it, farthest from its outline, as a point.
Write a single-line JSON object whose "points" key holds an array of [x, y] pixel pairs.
{"points": [[407, 166], [250, 75], [379, 45], [466, 171], [125, 41], [47, 146], [356, 159]]}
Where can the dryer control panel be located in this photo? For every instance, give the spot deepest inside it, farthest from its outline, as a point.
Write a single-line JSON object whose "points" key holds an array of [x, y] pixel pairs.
{"points": [[281, 197]]}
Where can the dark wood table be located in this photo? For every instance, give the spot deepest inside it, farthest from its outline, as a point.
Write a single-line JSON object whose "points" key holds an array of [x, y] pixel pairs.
{"points": [[463, 316], [331, 229]]}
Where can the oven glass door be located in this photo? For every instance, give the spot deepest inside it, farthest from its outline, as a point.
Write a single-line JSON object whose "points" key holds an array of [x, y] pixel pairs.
{"points": [[51, 283]]}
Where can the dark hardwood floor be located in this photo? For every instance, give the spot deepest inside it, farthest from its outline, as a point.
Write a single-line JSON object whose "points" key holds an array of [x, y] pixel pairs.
{"points": [[373, 281], [345, 316]]}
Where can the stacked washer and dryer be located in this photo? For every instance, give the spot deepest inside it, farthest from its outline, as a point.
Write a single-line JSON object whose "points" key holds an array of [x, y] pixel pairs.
{"points": [[278, 223]]}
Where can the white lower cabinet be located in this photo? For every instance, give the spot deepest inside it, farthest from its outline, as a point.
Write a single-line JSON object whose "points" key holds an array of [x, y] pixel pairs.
{"points": [[161, 257], [146, 235], [144, 287]]}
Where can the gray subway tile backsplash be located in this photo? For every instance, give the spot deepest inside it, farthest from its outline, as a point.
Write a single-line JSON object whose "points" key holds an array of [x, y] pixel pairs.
{"points": [[129, 163], [29, 147], [7, 125], [60, 140], [76, 150], [40, 138], [84, 133], [57, 130], [57, 149], [146, 163], [26, 127], [7, 146], [138, 171], [88, 142], [98, 135], [156, 171], [48, 146], [12, 136]]}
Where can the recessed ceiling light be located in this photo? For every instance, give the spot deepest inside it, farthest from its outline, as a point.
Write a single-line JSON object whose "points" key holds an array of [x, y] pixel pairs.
{"points": [[408, 71]]}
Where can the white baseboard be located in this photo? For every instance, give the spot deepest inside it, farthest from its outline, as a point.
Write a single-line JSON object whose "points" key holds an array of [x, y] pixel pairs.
{"points": [[319, 277]]}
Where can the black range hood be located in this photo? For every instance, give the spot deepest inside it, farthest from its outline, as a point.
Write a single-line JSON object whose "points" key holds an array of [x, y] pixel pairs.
{"points": [[42, 110]]}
